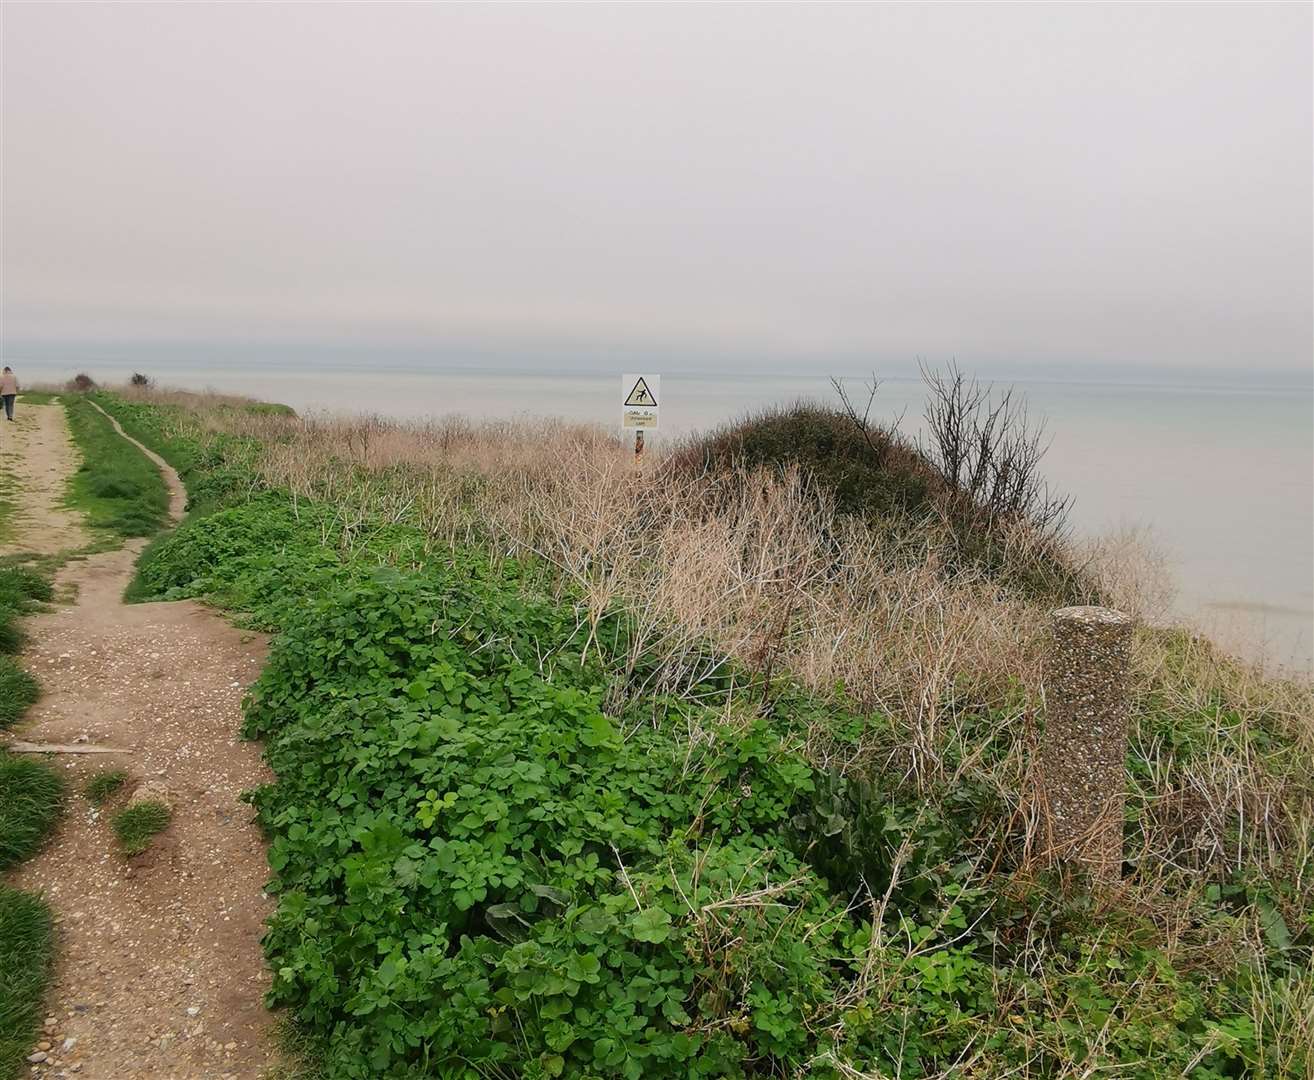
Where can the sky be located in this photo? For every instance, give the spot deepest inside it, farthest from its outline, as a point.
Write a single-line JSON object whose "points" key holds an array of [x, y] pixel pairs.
{"points": [[1106, 184]]}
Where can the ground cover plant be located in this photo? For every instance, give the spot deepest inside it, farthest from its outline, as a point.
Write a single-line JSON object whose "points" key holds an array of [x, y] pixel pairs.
{"points": [[26, 951], [135, 825], [527, 824], [116, 487]]}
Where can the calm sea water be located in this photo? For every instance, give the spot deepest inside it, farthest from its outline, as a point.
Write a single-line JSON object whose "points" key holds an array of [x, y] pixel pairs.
{"points": [[1219, 473]]}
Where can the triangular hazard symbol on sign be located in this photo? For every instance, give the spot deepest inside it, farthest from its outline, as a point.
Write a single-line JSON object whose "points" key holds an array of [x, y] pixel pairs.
{"points": [[640, 395]]}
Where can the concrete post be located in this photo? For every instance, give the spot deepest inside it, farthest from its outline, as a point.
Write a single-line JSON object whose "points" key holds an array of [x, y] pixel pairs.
{"points": [[1082, 781]]}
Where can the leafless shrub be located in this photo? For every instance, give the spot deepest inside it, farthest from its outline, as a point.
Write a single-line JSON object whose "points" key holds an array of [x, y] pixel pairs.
{"points": [[879, 440], [988, 451]]}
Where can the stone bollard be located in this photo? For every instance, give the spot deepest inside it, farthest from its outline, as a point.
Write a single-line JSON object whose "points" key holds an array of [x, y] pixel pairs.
{"points": [[1082, 779]]}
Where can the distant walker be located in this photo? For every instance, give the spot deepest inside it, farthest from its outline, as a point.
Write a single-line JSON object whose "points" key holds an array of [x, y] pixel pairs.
{"points": [[8, 391]]}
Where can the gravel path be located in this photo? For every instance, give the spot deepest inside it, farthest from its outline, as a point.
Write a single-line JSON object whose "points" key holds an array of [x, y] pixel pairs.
{"points": [[159, 971]]}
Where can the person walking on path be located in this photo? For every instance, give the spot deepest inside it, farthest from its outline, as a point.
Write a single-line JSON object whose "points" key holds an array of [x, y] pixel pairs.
{"points": [[8, 391]]}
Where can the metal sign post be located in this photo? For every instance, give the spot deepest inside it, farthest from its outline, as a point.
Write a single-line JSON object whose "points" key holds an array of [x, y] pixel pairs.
{"points": [[640, 400]]}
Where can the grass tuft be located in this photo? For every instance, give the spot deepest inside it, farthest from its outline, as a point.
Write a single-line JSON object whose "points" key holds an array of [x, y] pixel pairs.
{"points": [[18, 690], [135, 825], [26, 948], [31, 794], [22, 589], [101, 787]]}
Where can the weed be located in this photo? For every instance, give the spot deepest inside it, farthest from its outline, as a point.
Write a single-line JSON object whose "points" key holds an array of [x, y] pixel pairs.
{"points": [[135, 825], [101, 787], [31, 794]]}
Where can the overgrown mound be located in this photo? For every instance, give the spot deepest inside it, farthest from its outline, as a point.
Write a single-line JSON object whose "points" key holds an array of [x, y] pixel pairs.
{"points": [[871, 472], [983, 509]]}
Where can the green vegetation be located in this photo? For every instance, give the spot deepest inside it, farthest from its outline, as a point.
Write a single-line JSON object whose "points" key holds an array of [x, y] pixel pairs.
{"points": [[21, 590], [38, 397], [118, 489], [510, 838], [136, 824], [31, 797], [215, 471], [26, 952], [101, 787], [18, 690], [31, 794]]}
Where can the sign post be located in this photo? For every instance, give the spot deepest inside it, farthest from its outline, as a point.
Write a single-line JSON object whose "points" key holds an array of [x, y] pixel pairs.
{"points": [[640, 400]]}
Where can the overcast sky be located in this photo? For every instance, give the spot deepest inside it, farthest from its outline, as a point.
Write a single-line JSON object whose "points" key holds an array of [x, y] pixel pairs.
{"points": [[1099, 183]]}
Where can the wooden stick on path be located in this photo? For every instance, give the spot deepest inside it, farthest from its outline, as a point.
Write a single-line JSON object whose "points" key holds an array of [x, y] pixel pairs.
{"points": [[62, 748]]}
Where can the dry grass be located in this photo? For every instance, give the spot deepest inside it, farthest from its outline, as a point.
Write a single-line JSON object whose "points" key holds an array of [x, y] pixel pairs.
{"points": [[755, 563]]}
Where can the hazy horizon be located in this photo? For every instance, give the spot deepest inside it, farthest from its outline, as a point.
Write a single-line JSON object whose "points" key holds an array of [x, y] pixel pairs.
{"points": [[162, 360], [1053, 186]]}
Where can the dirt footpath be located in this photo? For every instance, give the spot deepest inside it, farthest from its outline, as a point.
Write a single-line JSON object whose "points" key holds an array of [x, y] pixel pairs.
{"points": [[37, 451], [159, 972]]}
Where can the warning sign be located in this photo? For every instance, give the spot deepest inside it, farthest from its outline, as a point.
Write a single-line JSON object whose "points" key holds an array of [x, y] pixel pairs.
{"points": [[639, 393], [639, 397]]}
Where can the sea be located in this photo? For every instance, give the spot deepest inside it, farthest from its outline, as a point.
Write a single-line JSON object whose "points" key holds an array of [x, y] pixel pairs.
{"points": [[1213, 470]]}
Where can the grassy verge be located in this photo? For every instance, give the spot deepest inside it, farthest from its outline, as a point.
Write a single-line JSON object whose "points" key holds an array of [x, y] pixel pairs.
{"points": [[118, 489], [26, 951], [21, 589], [31, 796], [18, 690]]}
